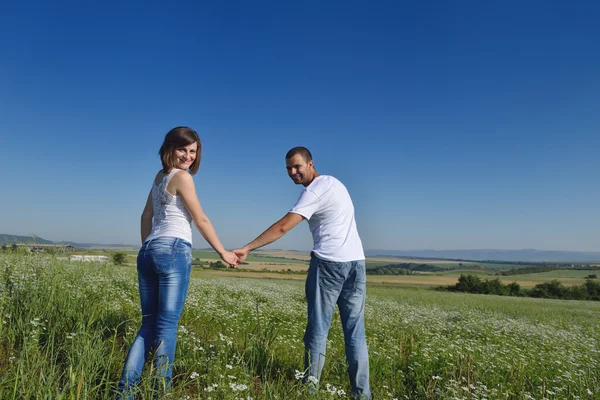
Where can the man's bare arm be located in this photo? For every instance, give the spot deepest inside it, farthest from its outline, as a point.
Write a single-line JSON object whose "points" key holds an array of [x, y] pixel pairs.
{"points": [[274, 232]]}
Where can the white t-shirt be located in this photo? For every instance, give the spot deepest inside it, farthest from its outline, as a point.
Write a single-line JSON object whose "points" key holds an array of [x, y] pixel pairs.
{"points": [[327, 206]]}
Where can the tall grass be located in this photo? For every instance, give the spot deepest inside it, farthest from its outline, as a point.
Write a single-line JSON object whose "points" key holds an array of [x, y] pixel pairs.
{"points": [[66, 328]]}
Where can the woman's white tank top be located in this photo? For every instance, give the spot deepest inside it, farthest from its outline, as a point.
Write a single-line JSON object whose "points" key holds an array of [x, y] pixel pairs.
{"points": [[171, 217]]}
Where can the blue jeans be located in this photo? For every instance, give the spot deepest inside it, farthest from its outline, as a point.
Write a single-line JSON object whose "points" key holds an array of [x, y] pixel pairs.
{"points": [[343, 283], [164, 265]]}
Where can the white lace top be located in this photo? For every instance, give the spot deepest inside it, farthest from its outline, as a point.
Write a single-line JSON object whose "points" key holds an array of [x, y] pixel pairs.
{"points": [[171, 217]]}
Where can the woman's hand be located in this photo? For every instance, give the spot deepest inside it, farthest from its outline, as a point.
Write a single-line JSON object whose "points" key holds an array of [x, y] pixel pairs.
{"points": [[230, 258]]}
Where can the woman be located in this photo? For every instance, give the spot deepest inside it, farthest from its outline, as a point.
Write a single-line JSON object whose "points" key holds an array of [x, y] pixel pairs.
{"points": [[164, 262]]}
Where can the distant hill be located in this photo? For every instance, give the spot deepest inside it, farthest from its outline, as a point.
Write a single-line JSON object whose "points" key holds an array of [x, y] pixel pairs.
{"points": [[491, 254], [6, 239], [11, 239]]}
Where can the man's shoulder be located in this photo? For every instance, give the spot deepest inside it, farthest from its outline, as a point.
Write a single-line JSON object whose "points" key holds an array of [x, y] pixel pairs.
{"points": [[325, 180], [331, 182], [326, 186], [320, 184]]}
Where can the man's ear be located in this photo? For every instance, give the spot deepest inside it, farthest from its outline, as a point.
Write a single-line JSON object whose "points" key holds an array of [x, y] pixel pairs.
{"points": [[311, 163]]}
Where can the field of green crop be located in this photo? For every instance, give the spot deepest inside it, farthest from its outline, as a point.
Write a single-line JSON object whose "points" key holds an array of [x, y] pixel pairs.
{"points": [[211, 255], [66, 326], [563, 273]]}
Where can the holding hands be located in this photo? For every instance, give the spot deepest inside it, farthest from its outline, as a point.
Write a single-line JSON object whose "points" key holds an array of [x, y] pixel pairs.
{"points": [[241, 253], [233, 258], [275, 231], [230, 258]]}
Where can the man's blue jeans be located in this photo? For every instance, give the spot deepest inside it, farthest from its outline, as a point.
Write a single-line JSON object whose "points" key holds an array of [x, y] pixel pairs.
{"points": [[164, 265], [343, 283]]}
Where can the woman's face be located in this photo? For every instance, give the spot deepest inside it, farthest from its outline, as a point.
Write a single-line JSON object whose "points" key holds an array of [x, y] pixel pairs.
{"points": [[185, 156]]}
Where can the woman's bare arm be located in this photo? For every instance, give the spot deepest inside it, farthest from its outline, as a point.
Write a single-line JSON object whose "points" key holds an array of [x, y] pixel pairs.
{"points": [[183, 185]]}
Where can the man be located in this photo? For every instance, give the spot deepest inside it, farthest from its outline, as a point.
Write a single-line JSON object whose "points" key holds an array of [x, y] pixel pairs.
{"points": [[337, 267]]}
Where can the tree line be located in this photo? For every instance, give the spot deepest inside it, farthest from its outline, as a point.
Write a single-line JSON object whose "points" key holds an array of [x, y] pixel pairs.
{"points": [[590, 290], [538, 269], [403, 269]]}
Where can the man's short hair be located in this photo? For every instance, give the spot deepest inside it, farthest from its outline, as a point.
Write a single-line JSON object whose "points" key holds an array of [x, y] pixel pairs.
{"points": [[303, 151]]}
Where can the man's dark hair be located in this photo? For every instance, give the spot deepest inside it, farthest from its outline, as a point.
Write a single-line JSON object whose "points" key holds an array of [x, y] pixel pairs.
{"points": [[303, 151]]}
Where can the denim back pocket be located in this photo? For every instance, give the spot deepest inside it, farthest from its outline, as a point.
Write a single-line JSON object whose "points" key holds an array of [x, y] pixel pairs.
{"points": [[360, 276], [163, 255], [331, 274], [182, 256]]}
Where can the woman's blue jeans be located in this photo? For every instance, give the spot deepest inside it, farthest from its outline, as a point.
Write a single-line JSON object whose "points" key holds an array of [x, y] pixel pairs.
{"points": [[164, 265], [343, 283]]}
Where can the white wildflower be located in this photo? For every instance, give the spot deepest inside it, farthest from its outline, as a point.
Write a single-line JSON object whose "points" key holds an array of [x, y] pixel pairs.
{"points": [[235, 387]]}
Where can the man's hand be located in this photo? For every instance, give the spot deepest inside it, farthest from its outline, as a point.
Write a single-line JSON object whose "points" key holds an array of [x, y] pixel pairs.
{"points": [[242, 253]]}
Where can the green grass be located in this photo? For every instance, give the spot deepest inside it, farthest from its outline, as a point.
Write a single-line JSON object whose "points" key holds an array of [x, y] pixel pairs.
{"points": [[503, 267], [466, 271], [541, 276], [371, 264], [66, 328], [211, 255], [562, 273], [456, 266], [448, 266], [251, 258]]}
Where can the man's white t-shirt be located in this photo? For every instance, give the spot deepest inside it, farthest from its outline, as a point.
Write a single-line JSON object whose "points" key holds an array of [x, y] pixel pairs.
{"points": [[327, 206]]}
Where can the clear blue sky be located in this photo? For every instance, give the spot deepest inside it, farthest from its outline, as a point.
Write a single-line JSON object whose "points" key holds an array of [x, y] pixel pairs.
{"points": [[454, 125]]}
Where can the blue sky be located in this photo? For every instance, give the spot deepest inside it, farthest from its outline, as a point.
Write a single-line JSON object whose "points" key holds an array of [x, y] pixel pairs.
{"points": [[453, 124]]}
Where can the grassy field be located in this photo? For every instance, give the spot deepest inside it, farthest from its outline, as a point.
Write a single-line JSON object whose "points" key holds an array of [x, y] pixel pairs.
{"points": [[377, 262], [275, 264], [421, 279], [205, 255], [66, 327], [565, 273]]}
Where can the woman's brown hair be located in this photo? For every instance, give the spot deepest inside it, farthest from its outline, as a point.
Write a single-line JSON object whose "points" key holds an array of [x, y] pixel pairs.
{"points": [[177, 138]]}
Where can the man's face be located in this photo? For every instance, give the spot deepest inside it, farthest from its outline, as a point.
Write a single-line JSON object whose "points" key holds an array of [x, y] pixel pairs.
{"points": [[301, 172]]}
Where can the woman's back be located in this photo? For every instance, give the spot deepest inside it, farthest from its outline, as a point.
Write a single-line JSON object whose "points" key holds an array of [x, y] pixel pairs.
{"points": [[171, 217]]}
